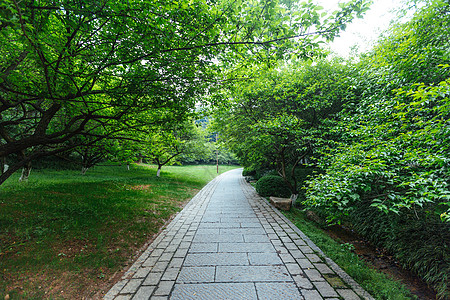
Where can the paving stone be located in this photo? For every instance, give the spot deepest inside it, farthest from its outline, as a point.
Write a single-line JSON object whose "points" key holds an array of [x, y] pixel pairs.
{"points": [[123, 297], [251, 273], [208, 231], [291, 246], [302, 282], [152, 278], [214, 291], [166, 256], [170, 274], [297, 254], [160, 266], [313, 258], [251, 225], [305, 263], [314, 275], [204, 247], [264, 259], [131, 286], [287, 258], [176, 262], [115, 290], [271, 291], [217, 259], [181, 252], [144, 293], [250, 230], [311, 295], [164, 288], [258, 238], [246, 247], [323, 268], [335, 281], [142, 272], [306, 249], [196, 274], [211, 238], [325, 289], [348, 294], [294, 269]]}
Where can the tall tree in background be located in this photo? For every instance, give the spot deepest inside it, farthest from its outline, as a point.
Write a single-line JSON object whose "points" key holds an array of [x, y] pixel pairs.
{"points": [[70, 66]]}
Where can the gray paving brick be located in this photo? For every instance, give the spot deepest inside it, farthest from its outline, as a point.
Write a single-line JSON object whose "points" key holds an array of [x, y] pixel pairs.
{"points": [[297, 254], [323, 268], [204, 247], [258, 238], [164, 288], [293, 268], [218, 259], [144, 293], [264, 259], [302, 282], [251, 273], [152, 278], [311, 295], [348, 294], [287, 258], [196, 274], [305, 263], [123, 297], [181, 252], [250, 230], [160, 266], [314, 275], [279, 290], [131, 286], [170, 274], [211, 238], [176, 262], [214, 291], [313, 257], [325, 289], [142, 272], [246, 247]]}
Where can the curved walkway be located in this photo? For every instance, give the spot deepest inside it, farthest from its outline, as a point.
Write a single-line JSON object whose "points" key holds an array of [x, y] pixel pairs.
{"points": [[229, 243]]}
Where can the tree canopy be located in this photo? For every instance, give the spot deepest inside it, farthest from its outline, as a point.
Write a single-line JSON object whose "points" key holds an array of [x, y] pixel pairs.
{"points": [[70, 67]]}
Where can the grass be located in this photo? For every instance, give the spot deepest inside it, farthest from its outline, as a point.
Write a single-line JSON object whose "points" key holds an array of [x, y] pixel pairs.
{"points": [[63, 235], [378, 284]]}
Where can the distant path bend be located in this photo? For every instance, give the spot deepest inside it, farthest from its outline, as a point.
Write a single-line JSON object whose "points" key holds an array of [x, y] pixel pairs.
{"points": [[229, 243]]}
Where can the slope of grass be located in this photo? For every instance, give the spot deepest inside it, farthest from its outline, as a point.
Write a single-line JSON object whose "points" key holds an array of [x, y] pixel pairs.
{"points": [[63, 235]]}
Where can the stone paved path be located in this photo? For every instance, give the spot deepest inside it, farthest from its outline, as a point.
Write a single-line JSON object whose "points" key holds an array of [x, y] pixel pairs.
{"points": [[229, 243]]}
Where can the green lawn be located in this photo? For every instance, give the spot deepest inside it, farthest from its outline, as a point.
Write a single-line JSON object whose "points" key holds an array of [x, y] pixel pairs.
{"points": [[64, 235]]}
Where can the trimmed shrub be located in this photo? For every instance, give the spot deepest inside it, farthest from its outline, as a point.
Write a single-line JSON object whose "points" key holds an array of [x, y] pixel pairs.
{"points": [[271, 185]]}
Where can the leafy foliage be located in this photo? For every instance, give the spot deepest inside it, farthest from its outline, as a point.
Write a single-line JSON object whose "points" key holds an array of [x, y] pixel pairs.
{"points": [[271, 185]]}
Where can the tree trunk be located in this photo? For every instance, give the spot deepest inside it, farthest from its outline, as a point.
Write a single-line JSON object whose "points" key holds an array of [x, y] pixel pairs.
{"points": [[128, 166], [158, 173], [84, 170], [25, 172]]}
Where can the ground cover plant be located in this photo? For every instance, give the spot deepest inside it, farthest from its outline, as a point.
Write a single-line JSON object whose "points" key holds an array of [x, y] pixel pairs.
{"points": [[63, 235], [378, 284]]}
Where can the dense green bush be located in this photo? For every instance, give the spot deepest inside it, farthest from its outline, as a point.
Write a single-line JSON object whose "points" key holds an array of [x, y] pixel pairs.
{"points": [[419, 241], [249, 171], [271, 185]]}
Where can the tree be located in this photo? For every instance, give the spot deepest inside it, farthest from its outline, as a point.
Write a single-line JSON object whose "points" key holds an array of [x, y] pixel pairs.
{"points": [[68, 67], [280, 120], [165, 145], [394, 149]]}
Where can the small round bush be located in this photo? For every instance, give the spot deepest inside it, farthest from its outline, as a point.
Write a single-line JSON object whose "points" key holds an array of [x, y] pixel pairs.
{"points": [[271, 185]]}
